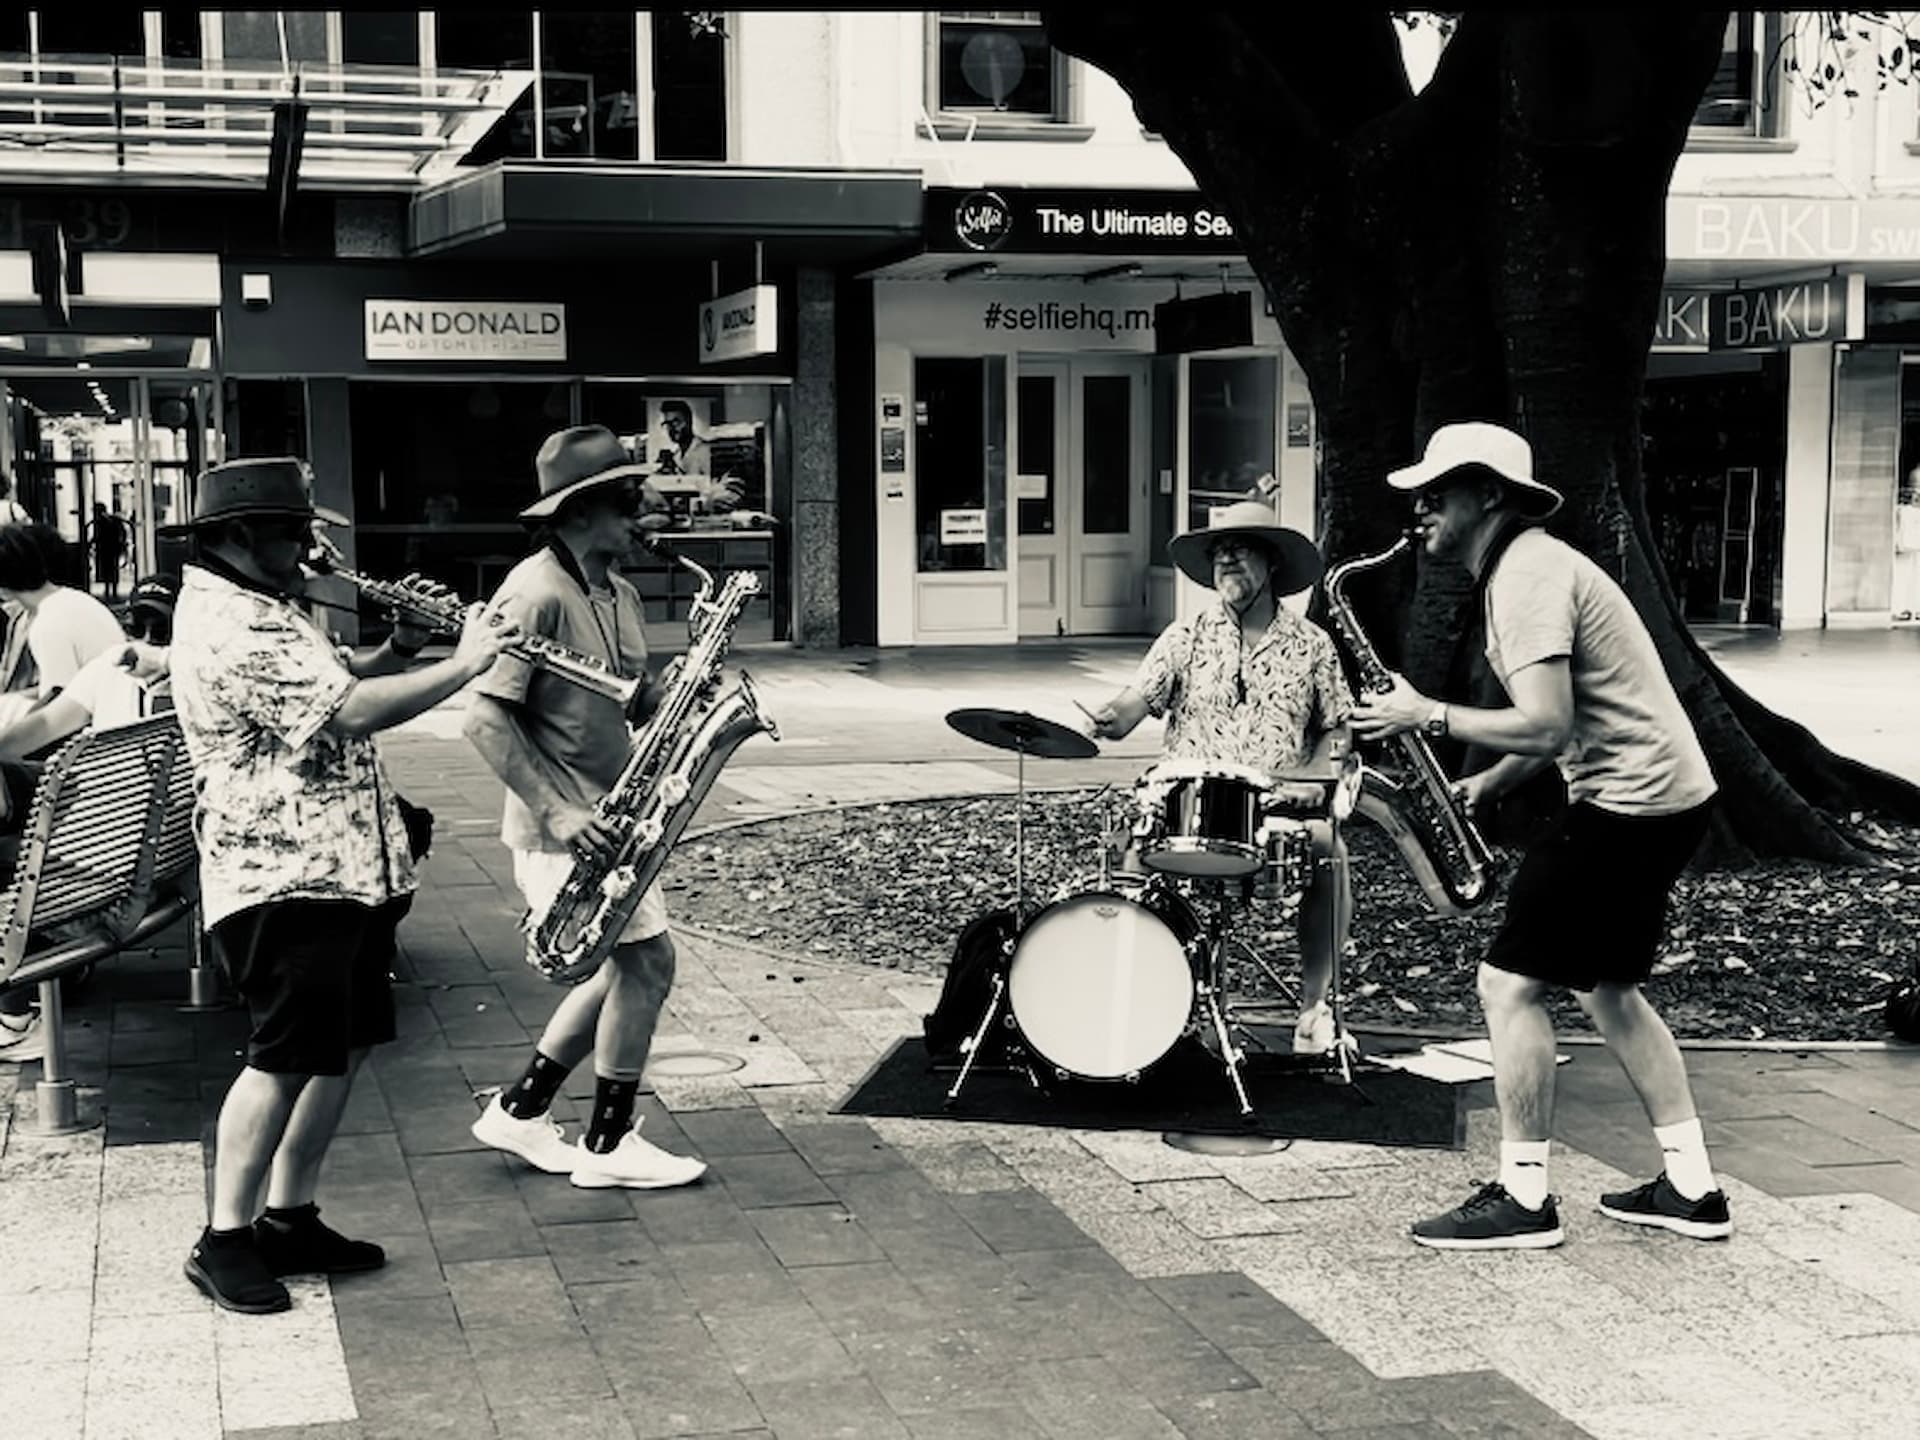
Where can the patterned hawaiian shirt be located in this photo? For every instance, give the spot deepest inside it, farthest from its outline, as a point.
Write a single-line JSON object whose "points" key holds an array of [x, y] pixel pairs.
{"points": [[1291, 694], [286, 808]]}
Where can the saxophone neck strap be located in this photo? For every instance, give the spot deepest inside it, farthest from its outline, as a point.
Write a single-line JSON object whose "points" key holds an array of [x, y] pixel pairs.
{"points": [[1495, 550]]}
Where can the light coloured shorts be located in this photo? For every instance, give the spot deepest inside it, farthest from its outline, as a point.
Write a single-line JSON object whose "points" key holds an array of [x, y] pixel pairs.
{"points": [[541, 873]]}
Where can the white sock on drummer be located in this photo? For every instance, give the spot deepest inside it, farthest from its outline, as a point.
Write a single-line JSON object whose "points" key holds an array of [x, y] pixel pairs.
{"points": [[1684, 1148], [1523, 1170]]}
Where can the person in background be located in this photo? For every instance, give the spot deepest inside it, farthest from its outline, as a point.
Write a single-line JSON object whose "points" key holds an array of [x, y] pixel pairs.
{"points": [[12, 512], [107, 535], [66, 627], [689, 457], [106, 691]]}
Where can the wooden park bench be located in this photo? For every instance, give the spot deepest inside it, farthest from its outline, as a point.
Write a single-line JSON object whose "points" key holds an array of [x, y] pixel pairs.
{"points": [[106, 861]]}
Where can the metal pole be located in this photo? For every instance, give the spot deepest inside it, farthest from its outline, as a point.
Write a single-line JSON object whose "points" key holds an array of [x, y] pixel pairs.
{"points": [[203, 981], [56, 1100]]}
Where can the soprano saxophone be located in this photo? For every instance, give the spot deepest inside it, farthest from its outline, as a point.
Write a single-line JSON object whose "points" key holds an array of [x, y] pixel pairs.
{"points": [[1446, 852], [448, 613], [672, 765]]}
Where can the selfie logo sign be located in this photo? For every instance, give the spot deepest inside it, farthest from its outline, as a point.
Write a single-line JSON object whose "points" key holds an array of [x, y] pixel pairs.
{"points": [[982, 220]]}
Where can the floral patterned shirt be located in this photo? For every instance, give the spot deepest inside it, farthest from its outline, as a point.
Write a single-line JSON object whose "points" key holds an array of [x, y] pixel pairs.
{"points": [[286, 808], [1293, 691]]}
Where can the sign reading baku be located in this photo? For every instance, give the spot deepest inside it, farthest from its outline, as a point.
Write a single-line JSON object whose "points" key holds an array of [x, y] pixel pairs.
{"points": [[466, 330], [1015, 220]]}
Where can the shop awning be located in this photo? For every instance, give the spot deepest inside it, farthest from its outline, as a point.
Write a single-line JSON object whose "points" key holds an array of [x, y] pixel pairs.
{"points": [[554, 212]]}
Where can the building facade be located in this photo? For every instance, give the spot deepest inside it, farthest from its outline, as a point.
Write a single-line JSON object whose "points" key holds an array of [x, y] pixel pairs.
{"points": [[959, 342]]}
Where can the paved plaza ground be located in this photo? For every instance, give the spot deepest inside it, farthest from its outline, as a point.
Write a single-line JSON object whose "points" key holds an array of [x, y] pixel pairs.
{"points": [[844, 1277]]}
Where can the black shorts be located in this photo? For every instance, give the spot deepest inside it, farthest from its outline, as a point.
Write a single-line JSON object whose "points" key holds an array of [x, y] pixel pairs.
{"points": [[315, 976], [1589, 903]]}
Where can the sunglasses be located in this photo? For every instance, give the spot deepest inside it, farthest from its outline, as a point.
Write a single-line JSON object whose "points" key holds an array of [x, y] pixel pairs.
{"points": [[1231, 549], [147, 625]]}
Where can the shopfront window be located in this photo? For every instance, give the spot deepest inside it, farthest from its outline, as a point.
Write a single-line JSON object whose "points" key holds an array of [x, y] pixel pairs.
{"points": [[717, 455], [1038, 439], [1230, 442], [960, 457]]}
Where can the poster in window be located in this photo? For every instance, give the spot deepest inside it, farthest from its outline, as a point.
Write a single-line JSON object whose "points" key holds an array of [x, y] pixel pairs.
{"points": [[703, 468]]}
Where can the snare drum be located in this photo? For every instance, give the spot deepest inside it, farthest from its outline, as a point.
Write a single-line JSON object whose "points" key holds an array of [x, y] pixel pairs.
{"points": [[1102, 982], [1202, 818]]}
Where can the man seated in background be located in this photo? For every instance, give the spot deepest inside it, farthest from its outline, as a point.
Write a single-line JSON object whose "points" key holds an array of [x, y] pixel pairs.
{"points": [[104, 692]]}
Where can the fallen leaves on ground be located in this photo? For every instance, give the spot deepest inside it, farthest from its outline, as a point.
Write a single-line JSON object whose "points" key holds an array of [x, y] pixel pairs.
{"points": [[1781, 950]]}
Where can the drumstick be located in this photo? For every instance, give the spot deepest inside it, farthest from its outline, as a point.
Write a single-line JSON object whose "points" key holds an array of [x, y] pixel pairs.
{"points": [[1095, 719]]}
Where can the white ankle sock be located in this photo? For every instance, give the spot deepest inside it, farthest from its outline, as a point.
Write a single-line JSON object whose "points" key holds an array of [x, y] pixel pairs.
{"points": [[1523, 1170], [1684, 1148]]}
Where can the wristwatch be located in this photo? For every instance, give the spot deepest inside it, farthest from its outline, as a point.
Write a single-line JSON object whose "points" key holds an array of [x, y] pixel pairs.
{"points": [[1437, 720]]}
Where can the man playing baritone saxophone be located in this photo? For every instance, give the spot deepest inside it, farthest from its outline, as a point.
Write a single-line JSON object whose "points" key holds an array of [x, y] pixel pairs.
{"points": [[1249, 682], [559, 748], [1588, 905]]}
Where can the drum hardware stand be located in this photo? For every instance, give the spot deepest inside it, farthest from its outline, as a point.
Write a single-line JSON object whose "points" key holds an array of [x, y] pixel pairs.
{"points": [[1212, 987], [978, 1038]]}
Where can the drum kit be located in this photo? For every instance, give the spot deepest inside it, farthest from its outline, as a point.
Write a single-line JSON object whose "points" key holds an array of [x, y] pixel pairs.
{"points": [[1102, 983]]}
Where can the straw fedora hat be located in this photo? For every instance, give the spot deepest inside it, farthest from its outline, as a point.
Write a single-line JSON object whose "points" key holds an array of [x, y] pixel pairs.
{"points": [[280, 485], [1493, 447], [571, 461], [1296, 560]]}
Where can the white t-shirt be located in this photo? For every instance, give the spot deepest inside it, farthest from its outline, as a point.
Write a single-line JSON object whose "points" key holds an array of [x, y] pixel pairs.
{"points": [[69, 628], [111, 695], [1632, 749]]}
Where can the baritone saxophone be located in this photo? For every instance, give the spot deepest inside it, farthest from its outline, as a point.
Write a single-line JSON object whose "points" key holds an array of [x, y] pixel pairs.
{"points": [[673, 763]]}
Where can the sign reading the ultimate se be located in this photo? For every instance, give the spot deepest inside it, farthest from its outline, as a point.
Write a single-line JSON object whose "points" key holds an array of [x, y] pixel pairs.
{"points": [[466, 330], [736, 326], [1012, 220]]}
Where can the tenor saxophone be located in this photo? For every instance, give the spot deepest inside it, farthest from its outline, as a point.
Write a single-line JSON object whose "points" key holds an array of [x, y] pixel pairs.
{"points": [[672, 765], [1451, 860]]}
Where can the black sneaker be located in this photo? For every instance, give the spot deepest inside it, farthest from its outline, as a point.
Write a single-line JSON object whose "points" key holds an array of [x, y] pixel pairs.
{"points": [[1658, 1203], [1491, 1219], [230, 1272], [299, 1242]]}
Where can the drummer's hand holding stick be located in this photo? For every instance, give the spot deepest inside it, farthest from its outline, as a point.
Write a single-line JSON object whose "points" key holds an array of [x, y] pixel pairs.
{"points": [[1116, 719]]}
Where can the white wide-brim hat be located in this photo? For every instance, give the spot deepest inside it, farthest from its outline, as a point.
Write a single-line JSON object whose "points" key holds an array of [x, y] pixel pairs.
{"points": [[1296, 560], [1493, 447]]}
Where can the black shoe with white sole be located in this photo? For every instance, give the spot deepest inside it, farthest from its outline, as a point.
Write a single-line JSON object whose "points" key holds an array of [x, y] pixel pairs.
{"points": [[1657, 1203], [1491, 1219]]}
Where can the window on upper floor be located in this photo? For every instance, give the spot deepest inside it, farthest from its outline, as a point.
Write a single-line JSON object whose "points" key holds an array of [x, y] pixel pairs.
{"points": [[1741, 98], [992, 72]]}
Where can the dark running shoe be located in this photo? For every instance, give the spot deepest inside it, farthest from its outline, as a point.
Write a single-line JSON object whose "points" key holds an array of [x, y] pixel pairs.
{"points": [[299, 1242], [1491, 1219], [1658, 1203], [231, 1272]]}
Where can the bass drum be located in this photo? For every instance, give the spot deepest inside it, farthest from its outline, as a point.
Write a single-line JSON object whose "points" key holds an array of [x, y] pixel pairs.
{"points": [[1102, 983]]}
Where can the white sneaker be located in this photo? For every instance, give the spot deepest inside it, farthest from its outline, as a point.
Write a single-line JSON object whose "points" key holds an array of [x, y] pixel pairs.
{"points": [[539, 1140], [1313, 1033], [635, 1163]]}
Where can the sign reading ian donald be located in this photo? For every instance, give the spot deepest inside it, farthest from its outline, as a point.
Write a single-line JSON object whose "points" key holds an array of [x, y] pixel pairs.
{"points": [[744, 323], [466, 330]]}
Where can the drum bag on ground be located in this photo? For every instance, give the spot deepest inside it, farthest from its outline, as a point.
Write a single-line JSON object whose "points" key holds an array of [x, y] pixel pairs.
{"points": [[978, 955]]}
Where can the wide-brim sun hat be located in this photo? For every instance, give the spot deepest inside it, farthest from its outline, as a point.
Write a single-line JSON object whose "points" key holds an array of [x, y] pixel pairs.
{"points": [[1492, 447], [578, 459], [1295, 559], [280, 485]]}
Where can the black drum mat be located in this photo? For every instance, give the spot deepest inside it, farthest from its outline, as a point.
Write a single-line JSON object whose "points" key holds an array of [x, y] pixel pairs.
{"points": [[1186, 1091]]}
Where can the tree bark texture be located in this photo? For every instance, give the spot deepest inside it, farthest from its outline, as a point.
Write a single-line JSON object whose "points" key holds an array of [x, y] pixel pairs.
{"points": [[1490, 249]]}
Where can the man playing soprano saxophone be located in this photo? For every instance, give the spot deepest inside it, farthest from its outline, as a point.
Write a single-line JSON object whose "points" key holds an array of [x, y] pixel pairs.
{"points": [[1588, 905], [559, 748]]}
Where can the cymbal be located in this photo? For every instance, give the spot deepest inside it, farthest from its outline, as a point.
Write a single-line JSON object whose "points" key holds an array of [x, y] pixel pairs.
{"points": [[1017, 730]]}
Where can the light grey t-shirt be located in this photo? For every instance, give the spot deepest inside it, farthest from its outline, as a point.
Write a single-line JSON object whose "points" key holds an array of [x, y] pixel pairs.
{"points": [[1632, 749], [582, 737]]}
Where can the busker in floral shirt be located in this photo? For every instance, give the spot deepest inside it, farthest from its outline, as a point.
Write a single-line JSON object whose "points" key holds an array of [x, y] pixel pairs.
{"points": [[1248, 682], [304, 859]]}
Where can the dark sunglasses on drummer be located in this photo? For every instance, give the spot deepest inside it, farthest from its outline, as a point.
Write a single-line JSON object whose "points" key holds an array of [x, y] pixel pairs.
{"points": [[150, 625]]}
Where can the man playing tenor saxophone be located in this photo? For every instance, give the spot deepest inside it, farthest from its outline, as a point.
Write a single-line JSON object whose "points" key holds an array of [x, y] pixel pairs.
{"points": [[1249, 682], [1588, 905], [559, 748]]}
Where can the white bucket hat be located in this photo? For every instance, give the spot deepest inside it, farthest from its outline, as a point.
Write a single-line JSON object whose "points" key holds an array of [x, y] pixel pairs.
{"points": [[1494, 447], [1294, 559]]}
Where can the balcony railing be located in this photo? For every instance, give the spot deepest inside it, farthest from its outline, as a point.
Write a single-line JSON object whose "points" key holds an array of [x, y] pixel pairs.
{"points": [[368, 127]]}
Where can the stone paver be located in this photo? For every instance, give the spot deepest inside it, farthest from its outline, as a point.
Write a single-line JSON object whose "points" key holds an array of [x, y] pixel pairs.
{"points": [[837, 1276]]}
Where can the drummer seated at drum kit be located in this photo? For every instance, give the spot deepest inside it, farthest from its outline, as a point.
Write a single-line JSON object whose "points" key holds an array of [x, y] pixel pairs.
{"points": [[1248, 684]]}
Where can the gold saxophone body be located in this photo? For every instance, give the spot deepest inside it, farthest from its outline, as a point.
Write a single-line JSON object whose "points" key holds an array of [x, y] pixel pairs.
{"points": [[1446, 852], [672, 765]]}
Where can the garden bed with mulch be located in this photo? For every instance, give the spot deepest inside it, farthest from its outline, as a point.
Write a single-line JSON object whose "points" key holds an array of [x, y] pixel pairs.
{"points": [[1782, 950]]}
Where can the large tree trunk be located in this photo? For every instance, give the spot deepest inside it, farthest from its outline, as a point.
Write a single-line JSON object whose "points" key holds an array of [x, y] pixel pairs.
{"points": [[1491, 249]]}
